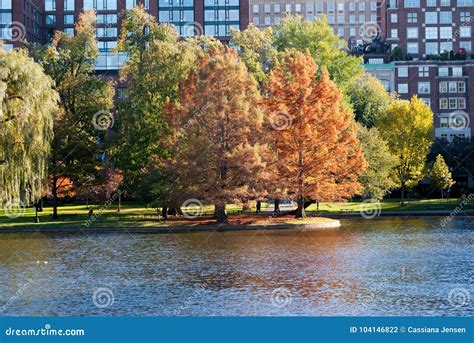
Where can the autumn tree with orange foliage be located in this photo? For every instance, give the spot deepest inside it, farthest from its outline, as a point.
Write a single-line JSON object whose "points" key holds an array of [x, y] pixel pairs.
{"points": [[219, 125], [319, 155]]}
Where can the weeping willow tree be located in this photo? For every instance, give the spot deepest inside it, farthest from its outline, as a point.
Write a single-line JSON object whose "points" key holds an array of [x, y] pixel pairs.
{"points": [[28, 105]]}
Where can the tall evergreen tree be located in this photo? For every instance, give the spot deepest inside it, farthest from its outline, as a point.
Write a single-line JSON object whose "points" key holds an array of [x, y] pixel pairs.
{"points": [[319, 155], [219, 124]]}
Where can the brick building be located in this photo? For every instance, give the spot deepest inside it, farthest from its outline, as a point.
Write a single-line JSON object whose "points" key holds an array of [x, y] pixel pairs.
{"points": [[434, 41], [352, 21], [37, 20]]}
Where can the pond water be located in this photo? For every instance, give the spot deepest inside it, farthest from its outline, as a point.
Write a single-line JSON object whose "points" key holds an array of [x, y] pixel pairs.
{"points": [[386, 267]]}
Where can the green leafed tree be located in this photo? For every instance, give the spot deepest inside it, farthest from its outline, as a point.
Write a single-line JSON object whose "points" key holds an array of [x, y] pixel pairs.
{"points": [[368, 98], [440, 175], [407, 127], [377, 179], [29, 104], [257, 50], [85, 100], [325, 47], [158, 62]]}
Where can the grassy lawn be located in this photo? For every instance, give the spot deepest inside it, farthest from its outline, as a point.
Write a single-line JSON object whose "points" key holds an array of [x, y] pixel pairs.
{"points": [[139, 216], [389, 206]]}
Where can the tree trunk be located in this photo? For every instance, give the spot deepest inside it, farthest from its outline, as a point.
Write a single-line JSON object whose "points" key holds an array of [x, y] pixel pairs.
{"points": [[442, 193], [54, 193], [300, 212], [164, 212], [402, 196], [119, 202], [258, 207], [277, 206], [221, 214]]}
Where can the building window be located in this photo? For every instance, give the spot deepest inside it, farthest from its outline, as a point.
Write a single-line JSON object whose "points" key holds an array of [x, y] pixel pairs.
{"points": [[266, 7], [373, 6], [431, 3], [68, 5], [402, 71], [443, 104], [446, 32], [412, 3], [461, 87], [465, 17], [394, 18], [453, 103], [443, 87], [298, 8], [457, 71], [50, 19], [255, 8], [412, 17], [431, 17], [426, 101], [394, 33], [288, 8], [423, 88], [445, 2], [423, 71], [276, 8], [69, 19], [465, 31], [446, 17], [412, 32], [352, 6], [464, 3], [443, 122], [412, 48], [443, 71], [431, 48], [403, 88], [446, 46], [49, 5], [431, 33], [461, 103], [361, 6], [466, 46], [452, 87]]}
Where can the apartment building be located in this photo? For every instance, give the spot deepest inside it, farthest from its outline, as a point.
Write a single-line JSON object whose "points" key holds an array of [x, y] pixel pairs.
{"points": [[37, 20], [434, 39], [354, 21], [20, 20]]}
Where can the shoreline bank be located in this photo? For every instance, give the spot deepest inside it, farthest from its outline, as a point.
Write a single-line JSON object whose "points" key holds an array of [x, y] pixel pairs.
{"points": [[332, 224]]}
